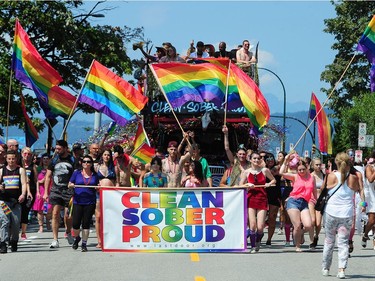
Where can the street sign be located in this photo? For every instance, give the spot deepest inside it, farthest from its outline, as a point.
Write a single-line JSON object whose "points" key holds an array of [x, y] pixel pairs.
{"points": [[306, 154], [291, 146], [361, 141], [370, 140], [277, 150], [362, 128]]}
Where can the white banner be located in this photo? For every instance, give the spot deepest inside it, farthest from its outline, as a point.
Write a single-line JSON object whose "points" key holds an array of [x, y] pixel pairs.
{"points": [[174, 220]]}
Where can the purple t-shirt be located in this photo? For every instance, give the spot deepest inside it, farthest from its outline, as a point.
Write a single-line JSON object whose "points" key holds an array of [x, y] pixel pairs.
{"points": [[84, 195]]}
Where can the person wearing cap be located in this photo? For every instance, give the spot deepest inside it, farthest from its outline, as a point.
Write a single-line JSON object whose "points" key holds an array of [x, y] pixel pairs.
{"points": [[78, 151], [170, 165], [200, 52], [171, 56]]}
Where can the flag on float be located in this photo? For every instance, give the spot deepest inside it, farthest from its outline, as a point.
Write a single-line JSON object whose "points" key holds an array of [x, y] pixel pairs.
{"points": [[367, 45], [324, 126], [111, 95], [251, 97], [140, 137], [31, 134], [36, 74], [144, 153], [183, 82]]}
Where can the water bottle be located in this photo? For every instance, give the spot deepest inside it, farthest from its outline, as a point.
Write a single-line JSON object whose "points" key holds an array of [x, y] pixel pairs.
{"points": [[30, 216], [45, 208]]}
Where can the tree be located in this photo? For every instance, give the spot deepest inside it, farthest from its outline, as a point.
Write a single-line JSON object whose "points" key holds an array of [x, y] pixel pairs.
{"points": [[63, 35], [350, 23], [358, 113]]}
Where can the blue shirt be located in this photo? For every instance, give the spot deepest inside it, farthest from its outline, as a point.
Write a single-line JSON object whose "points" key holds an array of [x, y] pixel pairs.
{"points": [[84, 195]]}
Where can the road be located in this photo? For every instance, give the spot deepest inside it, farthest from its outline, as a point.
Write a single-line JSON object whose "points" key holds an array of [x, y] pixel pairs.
{"points": [[35, 261]]}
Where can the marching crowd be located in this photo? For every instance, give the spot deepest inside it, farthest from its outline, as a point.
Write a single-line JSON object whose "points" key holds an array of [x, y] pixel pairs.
{"points": [[67, 183]]}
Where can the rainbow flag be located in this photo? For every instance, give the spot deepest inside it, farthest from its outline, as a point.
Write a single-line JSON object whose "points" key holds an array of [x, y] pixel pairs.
{"points": [[324, 126], [367, 45], [31, 134], [144, 154], [184, 82], [110, 94], [140, 137], [36, 74], [111, 128], [251, 97]]}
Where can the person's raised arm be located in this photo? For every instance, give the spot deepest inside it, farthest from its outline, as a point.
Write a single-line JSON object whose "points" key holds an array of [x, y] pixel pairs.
{"points": [[226, 145], [284, 169]]}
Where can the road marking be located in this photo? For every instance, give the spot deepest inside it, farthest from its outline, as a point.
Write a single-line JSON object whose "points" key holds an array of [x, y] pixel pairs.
{"points": [[194, 257], [199, 278]]}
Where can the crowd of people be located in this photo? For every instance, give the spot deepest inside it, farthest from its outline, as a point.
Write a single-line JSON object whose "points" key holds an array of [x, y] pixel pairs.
{"points": [[287, 184]]}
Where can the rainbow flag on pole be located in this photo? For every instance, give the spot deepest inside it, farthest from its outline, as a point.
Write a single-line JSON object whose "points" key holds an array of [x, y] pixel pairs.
{"points": [[110, 94], [324, 126], [367, 45], [144, 154], [36, 74], [184, 82], [140, 137], [31, 133], [251, 97]]}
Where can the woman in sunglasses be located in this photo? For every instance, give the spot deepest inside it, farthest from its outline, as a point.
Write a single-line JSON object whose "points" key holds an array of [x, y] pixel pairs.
{"points": [[84, 182], [297, 202], [255, 179]]}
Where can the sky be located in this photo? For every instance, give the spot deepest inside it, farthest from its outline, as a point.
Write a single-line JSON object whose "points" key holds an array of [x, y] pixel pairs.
{"points": [[292, 43]]}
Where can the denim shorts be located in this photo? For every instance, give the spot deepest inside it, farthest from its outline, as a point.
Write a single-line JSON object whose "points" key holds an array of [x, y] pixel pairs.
{"points": [[299, 203]]}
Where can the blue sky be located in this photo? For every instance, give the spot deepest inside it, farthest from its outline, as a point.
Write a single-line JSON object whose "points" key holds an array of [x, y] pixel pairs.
{"points": [[290, 34]]}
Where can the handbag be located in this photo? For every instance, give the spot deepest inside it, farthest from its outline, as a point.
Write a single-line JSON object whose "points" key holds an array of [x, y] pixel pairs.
{"points": [[324, 197]]}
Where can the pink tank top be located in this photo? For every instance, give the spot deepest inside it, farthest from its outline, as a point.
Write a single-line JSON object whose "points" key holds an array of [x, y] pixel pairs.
{"points": [[303, 188]]}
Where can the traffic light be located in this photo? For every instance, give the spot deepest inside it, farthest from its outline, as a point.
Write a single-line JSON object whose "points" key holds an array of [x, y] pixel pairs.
{"points": [[313, 149]]}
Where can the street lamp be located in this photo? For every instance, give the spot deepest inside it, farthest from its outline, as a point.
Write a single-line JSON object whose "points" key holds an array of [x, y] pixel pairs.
{"points": [[284, 113]]}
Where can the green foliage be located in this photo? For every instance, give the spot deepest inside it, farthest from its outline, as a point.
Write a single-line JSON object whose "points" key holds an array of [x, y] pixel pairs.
{"points": [[62, 33], [354, 88], [361, 112]]}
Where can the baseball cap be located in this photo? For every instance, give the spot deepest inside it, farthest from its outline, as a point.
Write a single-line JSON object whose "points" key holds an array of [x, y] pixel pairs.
{"points": [[172, 144], [78, 146]]}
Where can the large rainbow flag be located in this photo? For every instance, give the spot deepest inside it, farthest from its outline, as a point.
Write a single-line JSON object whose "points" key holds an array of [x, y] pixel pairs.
{"points": [[31, 134], [251, 97], [110, 94], [36, 74], [367, 45], [324, 126], [184, 82]]}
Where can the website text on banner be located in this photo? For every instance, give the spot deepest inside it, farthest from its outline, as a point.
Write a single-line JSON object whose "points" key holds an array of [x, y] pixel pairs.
{"points": [[174, 220]]}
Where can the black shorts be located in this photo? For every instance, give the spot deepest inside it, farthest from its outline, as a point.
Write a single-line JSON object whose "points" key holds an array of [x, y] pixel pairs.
{"points": [[61, 197]]}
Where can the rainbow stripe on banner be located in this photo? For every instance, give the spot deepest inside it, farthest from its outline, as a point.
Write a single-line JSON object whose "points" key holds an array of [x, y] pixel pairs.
{"points": [[110, 94], [184, 82], [36, 74], [251, 97], [144, 154], [324, 126]]}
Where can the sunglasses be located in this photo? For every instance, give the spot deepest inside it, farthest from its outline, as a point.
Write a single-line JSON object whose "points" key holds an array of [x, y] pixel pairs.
{"points": [[86, 161]]}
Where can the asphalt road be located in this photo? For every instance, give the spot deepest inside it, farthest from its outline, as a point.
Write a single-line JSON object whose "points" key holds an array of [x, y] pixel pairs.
{"points": [[35, 261]]}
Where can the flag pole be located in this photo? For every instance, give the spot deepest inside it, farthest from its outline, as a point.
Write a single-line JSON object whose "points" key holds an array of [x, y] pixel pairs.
{"points": [[326, 101], [75, 103], [166, 98], [8, 110], [226, 94]]}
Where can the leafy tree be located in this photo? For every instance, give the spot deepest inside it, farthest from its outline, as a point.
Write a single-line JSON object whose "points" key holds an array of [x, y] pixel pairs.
{"points": [[350, 118], [62, 33], [347, 28]]}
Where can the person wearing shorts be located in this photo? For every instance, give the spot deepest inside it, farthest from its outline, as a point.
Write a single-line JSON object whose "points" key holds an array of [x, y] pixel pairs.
{"points": [[297, 203], [59, 195]]}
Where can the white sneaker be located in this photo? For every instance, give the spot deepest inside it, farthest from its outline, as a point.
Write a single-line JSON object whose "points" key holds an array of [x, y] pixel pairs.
{"points": [[54, 244], [325, 272], [70, 238], [341, 275], [280, 231]]}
